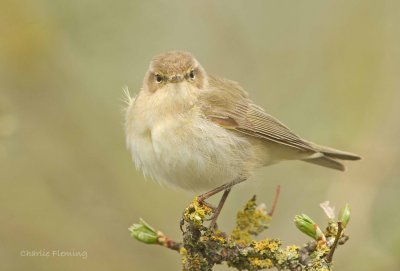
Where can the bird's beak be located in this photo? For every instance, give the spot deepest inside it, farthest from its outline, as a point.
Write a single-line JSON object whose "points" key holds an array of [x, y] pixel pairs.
{"points": [[176, 78]]}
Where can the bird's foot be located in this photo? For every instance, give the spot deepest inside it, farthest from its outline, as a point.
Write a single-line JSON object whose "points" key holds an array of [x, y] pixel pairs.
{"points": [[201, 202]]}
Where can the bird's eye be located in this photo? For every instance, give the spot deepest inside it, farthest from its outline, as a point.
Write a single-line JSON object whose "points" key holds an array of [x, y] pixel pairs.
{"points": [[159, 78], [192, 75]]}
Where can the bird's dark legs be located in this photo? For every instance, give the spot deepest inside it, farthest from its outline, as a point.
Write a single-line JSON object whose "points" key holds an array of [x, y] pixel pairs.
{"points": [[218, 189], [219, 208], [226, 188]]}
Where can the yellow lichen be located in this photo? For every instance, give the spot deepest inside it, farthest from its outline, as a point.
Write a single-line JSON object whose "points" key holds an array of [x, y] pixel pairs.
{"points": [[332, 229], [219, 239], [183, 253], [290, 253], [195, 261], [292, 248], [320, 266], [241, 237], [196, 212], [250, 221], [260, 264], [266, 245], [322, 248]]}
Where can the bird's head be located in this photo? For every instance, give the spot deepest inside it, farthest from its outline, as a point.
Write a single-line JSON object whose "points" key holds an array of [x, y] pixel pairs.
{"points": [[174, 70]]}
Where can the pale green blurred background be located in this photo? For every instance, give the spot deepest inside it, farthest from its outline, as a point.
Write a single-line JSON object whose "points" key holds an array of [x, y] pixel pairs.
{"points": [[328, 69]]}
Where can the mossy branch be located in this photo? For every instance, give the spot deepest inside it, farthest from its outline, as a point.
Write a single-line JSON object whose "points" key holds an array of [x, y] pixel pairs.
{"points": [[202, 248]]}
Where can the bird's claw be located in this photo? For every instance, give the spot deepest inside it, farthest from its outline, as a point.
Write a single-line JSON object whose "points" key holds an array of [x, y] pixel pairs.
{"points": [[205, 203]]}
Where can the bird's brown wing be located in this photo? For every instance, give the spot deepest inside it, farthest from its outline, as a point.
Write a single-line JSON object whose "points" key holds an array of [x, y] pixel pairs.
{"points": [[228, 105]]}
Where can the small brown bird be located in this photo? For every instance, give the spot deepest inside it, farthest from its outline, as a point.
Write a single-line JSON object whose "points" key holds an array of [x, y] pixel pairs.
{"points": [[198, 132]]}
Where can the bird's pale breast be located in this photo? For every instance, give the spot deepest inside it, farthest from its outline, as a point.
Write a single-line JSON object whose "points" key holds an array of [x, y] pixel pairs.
{"points": [[188, 151]]}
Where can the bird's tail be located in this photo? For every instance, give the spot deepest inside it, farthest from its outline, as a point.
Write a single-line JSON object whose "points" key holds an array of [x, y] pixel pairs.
{"points": [[330, 156]]}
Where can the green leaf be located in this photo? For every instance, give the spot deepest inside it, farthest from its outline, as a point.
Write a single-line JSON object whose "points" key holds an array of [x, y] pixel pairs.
{"points": [[344, 215], [306, 225], [143, 232]]}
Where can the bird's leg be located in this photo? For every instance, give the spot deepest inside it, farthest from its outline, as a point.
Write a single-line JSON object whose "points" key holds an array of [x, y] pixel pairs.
{"points": [[216, 210], [218, 189], [209, 205], [219, 208], [227, 188]]}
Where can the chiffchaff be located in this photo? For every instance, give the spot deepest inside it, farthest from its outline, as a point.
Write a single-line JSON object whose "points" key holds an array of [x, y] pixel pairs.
{"points": [[196, 131]]}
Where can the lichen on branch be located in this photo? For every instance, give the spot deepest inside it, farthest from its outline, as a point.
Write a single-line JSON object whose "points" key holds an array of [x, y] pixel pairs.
{"points": [[202, 248]]}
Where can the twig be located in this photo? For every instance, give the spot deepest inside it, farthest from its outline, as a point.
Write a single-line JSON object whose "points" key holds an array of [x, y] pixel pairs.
{"points": [[168, 243], [333, 248], [203, 248], [275, 201]]}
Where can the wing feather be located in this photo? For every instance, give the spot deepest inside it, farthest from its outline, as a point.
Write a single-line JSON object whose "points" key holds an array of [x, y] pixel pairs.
{"points": [[225, 99]]}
